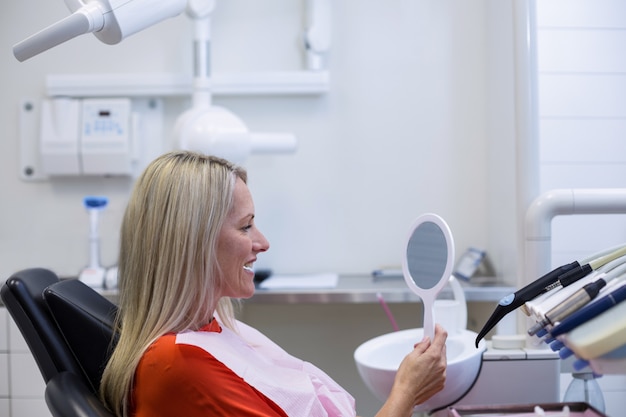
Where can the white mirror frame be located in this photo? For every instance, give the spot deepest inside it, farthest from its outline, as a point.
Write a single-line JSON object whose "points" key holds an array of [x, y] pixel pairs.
{"points": [[429, 295]]}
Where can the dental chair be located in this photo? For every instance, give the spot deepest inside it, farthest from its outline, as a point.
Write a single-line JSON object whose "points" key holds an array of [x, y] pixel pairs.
{"points": [[68, 328]]}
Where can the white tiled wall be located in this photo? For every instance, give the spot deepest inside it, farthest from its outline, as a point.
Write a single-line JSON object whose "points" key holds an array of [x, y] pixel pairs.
{"points": [[582, 105], [582, 128], [21, 385], [4, 363]]}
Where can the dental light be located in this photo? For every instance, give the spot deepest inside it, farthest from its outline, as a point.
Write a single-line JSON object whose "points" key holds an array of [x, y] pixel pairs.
{"points": [[211, 129], [109, 20], [204, 128]]}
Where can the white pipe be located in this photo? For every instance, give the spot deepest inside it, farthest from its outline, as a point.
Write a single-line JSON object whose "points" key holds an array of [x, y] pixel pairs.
{"points": [[527, 136], [318, 33], [538, 228], [269, 143], [202, 62], [527, 114], [199, 12]]}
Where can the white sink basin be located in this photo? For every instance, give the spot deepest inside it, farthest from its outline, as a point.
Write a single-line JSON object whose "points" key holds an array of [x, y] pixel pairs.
{"points": [[378, 359]]}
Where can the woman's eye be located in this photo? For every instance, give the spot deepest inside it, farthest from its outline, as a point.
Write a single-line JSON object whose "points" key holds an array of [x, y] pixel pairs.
{"points": [[246, 228]]}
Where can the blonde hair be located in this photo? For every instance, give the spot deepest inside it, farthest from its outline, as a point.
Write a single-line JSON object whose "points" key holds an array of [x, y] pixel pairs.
{"points": [[167, 261]]}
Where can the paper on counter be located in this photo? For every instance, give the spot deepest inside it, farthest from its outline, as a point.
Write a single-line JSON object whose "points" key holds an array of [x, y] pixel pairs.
{"points": [[329, 280]]}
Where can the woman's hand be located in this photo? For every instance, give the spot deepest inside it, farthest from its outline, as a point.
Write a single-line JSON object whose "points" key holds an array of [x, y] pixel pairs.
{"points": [[421, 375]]}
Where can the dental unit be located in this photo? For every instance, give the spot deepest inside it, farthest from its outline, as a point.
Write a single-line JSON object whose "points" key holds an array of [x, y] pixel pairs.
{"points": [[560, 277], [579, 312], [515, 300], [566, 300], [593, 285], [543, 303], [570, 305], [590, 311]]}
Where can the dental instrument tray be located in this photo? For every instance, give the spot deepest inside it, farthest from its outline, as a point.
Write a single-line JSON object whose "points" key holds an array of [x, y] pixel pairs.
{"points": [[576, 409]]}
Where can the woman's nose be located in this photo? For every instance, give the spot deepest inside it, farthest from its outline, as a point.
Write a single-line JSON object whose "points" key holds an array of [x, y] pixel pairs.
{"points": [[261, 243]]}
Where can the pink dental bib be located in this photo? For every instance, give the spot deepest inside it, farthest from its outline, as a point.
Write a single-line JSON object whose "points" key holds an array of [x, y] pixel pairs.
{"points": [[296, 386]]}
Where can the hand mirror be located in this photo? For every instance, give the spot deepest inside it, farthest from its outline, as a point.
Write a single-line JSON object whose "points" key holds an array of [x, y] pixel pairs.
{"points": [[428, 263]]}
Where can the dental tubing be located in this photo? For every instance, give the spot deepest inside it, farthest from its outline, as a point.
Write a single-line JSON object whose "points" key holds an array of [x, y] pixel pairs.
{"points": [[541, 305], [578, 308], [584, 313], [562, 276]]}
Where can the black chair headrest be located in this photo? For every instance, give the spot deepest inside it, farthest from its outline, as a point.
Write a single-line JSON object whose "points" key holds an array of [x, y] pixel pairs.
{"points": [[86, 320], [22, 294]]}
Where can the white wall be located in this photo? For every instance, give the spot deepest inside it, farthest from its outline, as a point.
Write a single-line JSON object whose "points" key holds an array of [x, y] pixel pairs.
{"points": [[582, 124], [419, 106], [419, 117], [582, 114]]}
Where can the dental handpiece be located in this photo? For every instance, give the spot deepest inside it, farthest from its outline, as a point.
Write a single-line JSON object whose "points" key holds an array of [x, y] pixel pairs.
{"points": [[572, 304], [609, 271], [590, 311], [519, 297], [582, 271]]}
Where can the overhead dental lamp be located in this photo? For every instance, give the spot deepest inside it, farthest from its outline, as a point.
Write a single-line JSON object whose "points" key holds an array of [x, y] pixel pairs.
{"points": [[204, 128], [109, 20], [212, 129]]}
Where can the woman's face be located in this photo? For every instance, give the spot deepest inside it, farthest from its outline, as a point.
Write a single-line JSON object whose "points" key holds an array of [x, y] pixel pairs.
{"points": [[238, 244]]}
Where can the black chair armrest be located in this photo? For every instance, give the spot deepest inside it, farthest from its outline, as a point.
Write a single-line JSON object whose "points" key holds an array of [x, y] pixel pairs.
{"points": [[68, 396]]}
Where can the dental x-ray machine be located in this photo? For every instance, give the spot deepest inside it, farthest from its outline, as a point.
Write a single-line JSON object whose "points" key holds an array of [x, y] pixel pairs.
{"points": [[109, 20], [204, 127]]}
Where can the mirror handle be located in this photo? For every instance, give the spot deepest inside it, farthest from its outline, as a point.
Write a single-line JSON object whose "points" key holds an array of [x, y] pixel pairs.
{"points": [[429, 319]]}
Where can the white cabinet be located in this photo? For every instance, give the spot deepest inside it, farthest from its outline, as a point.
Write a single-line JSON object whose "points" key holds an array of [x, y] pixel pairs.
{"points": [[21, 385]]}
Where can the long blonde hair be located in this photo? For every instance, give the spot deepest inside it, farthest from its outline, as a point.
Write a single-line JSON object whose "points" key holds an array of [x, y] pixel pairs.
{"points": [[167, 262]]}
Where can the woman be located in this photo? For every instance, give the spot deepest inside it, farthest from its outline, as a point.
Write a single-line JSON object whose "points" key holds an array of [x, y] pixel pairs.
{"points": [[188, 243]]}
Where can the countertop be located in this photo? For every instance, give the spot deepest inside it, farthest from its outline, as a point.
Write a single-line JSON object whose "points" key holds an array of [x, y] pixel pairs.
{"points": [[364, 289]]}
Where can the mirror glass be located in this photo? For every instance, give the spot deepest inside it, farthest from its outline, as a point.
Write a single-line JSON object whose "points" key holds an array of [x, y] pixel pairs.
{"points": [[428, 262], [427, 254]]}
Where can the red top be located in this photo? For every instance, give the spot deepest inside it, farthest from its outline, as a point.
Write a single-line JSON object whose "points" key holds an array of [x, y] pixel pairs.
{"points": [[175, 380]]}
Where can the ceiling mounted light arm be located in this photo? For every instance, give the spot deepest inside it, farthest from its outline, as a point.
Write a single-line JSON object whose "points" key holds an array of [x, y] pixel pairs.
{"points": [[212, 129], [200, 13], [317, 37], [109, 20], [73, 5], [87, 19]]}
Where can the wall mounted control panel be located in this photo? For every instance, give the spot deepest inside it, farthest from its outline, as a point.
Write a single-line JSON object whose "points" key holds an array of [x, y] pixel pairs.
{"points": [[105, 137], [110, 136]]}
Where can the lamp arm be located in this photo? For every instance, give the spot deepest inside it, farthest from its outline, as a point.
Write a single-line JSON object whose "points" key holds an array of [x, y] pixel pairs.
{"points": [[110, 20], [85, 20]]}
